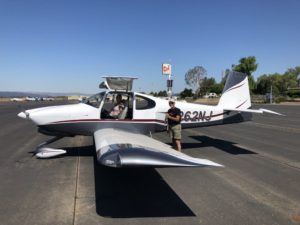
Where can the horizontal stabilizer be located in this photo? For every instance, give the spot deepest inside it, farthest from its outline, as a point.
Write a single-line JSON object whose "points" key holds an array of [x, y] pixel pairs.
{"points": [[254, 111]]}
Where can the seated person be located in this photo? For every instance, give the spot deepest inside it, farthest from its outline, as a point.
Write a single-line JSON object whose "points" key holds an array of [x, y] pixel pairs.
{"points": [[118, 107]]}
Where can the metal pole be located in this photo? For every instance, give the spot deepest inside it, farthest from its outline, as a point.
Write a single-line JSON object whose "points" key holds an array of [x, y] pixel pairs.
{"points": [[271, 95], [169, 88]]}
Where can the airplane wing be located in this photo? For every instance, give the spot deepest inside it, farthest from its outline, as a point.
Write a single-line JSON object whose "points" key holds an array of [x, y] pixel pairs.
{"points": [[117, 148], [255, 111]]}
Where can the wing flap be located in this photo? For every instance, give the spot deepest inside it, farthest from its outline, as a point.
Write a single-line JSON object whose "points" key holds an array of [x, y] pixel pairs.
{"points": [[118, 148]]}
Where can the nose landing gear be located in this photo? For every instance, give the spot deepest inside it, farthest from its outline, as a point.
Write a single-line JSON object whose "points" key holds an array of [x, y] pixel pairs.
{"points": [[43, 152]]}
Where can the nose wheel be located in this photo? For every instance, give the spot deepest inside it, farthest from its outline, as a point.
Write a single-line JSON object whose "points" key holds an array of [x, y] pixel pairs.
{"points": [[43, 152]]}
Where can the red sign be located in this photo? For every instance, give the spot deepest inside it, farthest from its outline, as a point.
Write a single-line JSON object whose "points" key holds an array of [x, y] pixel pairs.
{"points": [[166, 69]]}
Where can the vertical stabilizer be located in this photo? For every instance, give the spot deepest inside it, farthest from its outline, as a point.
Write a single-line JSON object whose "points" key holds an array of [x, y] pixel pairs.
{"points": [[236, 93]]}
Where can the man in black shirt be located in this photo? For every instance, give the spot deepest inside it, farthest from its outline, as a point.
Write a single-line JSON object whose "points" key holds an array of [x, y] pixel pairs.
{"points": [[174, 126]]}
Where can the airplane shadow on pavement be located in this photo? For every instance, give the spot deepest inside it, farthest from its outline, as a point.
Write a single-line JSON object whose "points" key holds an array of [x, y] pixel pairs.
{"points": [[142, 192], [131, 192], [135, 192], [226, 146]]}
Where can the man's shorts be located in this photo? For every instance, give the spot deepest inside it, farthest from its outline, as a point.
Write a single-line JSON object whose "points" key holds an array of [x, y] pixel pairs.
{"points": [[175, 132]]}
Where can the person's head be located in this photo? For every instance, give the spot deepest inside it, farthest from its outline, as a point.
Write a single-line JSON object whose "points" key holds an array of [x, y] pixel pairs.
{"points": [[172, 103], [119, 98]]}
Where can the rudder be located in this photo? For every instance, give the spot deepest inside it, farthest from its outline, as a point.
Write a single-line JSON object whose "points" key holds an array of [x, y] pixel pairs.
{"points": [[236, 93]]}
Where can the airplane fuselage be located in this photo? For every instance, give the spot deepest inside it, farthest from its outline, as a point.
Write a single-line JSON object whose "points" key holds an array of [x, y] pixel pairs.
{"points": [[85, 119], [118, 119]]}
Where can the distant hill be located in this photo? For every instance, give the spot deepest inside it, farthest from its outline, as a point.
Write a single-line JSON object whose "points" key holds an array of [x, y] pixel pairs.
{"points": [[13, 94]]}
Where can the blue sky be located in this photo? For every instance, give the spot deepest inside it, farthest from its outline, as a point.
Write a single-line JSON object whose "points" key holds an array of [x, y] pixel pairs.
{"points": [[66, 46]]}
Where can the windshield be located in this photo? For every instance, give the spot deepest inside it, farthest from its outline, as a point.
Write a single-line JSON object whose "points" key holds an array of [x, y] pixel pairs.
{"points": [[94, 100]]}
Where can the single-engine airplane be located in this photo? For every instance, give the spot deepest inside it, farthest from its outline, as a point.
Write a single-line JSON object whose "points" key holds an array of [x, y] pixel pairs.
{"points": [[126, 141]]}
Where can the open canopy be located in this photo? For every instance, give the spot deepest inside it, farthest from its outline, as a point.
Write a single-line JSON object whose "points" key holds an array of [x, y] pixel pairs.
{"points": [[117, 83]]}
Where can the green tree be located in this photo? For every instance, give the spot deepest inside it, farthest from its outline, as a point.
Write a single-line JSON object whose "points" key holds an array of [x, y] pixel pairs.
{"points": [[162, 93], [252, 83], [291, 77], [186, 93], [194, 77], [281, 83], [153, 93], [206, 85], [247, 65], [217, 88], [294, 71], [263, 84]]}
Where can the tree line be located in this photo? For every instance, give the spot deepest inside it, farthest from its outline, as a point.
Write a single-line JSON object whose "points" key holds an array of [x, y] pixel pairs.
{"points": [[159, 94], [286, 84], [282, 84]]}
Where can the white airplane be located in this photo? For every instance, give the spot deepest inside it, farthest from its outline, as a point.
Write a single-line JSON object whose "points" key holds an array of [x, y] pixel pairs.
{"points": [[48, 99], [31, 99], [126, 141], [16, 99]]}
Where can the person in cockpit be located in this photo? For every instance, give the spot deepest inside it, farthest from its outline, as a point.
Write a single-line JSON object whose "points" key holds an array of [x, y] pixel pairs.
{"points": [[118, 107]]}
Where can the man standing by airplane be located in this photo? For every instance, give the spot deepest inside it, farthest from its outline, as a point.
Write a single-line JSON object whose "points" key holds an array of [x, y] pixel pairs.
{"points": [[174, 126]]}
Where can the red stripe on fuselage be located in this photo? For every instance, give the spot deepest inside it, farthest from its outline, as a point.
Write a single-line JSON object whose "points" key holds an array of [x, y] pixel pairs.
{"points": [[126, 121], [110, 120], [241, 104]]}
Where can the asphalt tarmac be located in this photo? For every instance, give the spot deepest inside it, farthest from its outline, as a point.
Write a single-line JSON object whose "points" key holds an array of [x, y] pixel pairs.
{"points": [[260, 183]]}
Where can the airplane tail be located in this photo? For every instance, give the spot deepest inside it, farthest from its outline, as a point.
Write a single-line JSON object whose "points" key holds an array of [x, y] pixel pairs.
{"points": [[236, 93]]}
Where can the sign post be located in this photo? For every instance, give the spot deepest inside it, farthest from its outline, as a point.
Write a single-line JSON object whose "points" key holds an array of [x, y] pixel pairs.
{"points": [[167, 70]]}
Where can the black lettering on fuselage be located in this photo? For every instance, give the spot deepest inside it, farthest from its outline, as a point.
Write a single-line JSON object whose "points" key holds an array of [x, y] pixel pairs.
{"points": [[196, 116]]}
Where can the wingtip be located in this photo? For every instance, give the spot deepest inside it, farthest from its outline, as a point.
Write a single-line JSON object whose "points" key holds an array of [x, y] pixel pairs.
{"points": [[219, 165], [216, 165], [206, 162]]}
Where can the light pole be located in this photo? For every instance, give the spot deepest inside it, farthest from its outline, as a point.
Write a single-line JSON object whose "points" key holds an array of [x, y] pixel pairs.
{"points": [[271, 94]]}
